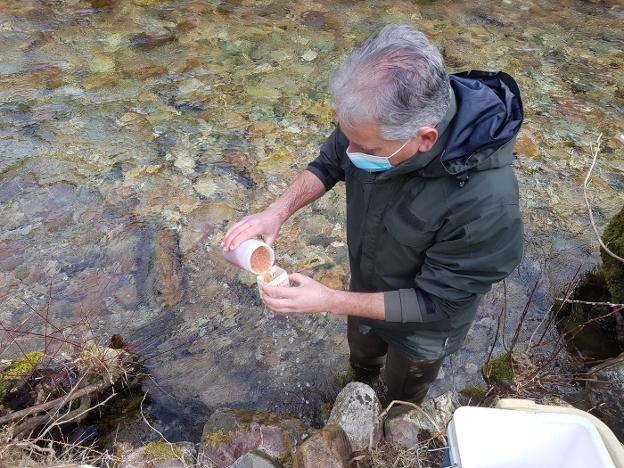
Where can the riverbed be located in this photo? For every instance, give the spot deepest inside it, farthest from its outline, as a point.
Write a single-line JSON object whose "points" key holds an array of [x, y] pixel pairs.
{"points": [[133, 132]]}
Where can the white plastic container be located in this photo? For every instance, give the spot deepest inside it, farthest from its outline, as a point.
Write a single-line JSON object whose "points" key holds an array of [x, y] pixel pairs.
{"points": [[497, 438], [242, 256], [279, 277]]}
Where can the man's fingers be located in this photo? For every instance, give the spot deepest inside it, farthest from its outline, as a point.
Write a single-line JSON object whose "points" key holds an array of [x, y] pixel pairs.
{"points": [[269, 239], [298, 278], [277, 292], [278, 305], [231, 232], [243, 233]]}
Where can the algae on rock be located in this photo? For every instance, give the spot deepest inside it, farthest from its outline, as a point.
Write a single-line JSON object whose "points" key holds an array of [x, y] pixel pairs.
{"points": [[18, 370], [162, 451]]}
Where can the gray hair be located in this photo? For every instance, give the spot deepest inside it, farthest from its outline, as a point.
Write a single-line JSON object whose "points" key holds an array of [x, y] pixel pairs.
{"points": [[396, 79]]}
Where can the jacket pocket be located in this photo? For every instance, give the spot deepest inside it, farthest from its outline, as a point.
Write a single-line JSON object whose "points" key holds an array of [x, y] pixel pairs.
{"points": [[401, 251]]}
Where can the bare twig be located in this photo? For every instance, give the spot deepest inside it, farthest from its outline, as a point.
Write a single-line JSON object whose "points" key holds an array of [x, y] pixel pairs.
{"points": [[525, 311], [498, 326], [384, 413], [171, 446], [576, 301], [553, 315]]}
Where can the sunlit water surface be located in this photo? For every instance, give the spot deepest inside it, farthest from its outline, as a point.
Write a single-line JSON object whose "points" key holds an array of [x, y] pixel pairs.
{"points": [[134, 132]]}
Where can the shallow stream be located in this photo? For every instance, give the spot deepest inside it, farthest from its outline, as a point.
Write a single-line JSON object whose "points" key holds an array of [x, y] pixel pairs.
{"points": [[134, 131]]}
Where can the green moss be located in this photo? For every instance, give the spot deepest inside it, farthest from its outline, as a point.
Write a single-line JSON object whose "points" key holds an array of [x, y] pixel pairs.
{"points": [[155, 451], [476, 395], [613, 269], [499, 369], [219, 437], [325, 410], [18, 370]]}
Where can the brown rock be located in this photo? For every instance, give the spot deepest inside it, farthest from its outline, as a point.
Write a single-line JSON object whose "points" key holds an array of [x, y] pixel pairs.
{"points": [[166, 271], [571, 107], [185, 26], [333, 280], [526, 147], [261, 128], [328, 448], [136, 123], [144, 71], [146, 41], [188, 65], [314, 19]]}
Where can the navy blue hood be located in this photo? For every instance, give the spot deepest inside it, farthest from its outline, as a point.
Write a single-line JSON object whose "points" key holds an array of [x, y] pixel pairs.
{"points": [[489, 113]]}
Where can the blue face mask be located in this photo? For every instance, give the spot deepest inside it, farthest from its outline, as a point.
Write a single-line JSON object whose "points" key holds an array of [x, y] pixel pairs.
{"points": [[371, 163]]}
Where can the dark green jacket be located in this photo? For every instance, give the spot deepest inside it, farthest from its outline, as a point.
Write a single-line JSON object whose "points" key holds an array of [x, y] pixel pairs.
{"points": [[435, 232]]}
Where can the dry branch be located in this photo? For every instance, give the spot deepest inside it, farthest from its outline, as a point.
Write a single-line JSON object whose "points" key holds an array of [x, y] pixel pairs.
{"points": [[595, 152], [88, 390], [576, 301]]}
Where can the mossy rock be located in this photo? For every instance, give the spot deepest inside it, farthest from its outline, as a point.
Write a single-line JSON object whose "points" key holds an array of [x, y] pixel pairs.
{"points": [[613, 269], [219, 437], [18, 370], [162, 451], [499, 370], [475, 395]]}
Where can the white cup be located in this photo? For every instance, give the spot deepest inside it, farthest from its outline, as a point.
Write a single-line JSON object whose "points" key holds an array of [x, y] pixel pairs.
{"points": [[279, 278], [241, 256]]}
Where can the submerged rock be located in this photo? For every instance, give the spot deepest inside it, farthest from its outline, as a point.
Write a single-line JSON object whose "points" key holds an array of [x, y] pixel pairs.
{"points": [[166, 271], [329, 448], [606, 392], [356, 411]]}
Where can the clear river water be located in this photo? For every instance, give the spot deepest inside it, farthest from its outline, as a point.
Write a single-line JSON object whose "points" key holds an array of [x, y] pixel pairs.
{"points": [[132, 132]]}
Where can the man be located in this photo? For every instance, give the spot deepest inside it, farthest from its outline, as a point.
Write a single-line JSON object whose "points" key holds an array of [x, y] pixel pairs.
{"points": [[432, 206]]}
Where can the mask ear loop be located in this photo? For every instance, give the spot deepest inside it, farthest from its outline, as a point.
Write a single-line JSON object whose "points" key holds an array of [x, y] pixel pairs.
{"points": [[402, 146]]}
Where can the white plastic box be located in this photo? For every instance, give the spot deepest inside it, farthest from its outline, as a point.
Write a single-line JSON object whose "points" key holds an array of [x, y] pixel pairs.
{"points": [[497, 438]]}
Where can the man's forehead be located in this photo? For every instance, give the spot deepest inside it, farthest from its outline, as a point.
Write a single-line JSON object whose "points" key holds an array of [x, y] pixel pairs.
{"points": [[366, 134]]}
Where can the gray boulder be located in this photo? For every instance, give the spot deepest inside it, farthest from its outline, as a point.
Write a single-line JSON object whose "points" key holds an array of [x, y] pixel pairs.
{"points": [[403, 428], [357, 410], [254, 460]]}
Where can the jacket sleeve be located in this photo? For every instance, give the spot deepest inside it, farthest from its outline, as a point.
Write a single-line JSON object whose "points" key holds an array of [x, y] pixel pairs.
{"points": [[463, 263], [328, 164]]}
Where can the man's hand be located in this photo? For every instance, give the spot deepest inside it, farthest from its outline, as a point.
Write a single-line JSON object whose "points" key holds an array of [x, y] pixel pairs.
{"points": [[309, 296], [266, 224], [304, 190]]}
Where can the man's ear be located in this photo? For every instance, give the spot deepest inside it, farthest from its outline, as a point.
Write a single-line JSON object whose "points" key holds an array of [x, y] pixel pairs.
{"points": [[428, 137]]}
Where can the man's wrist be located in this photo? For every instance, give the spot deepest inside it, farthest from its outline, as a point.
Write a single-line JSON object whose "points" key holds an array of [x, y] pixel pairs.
{"points": [[334, 301], [279, 211]]}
